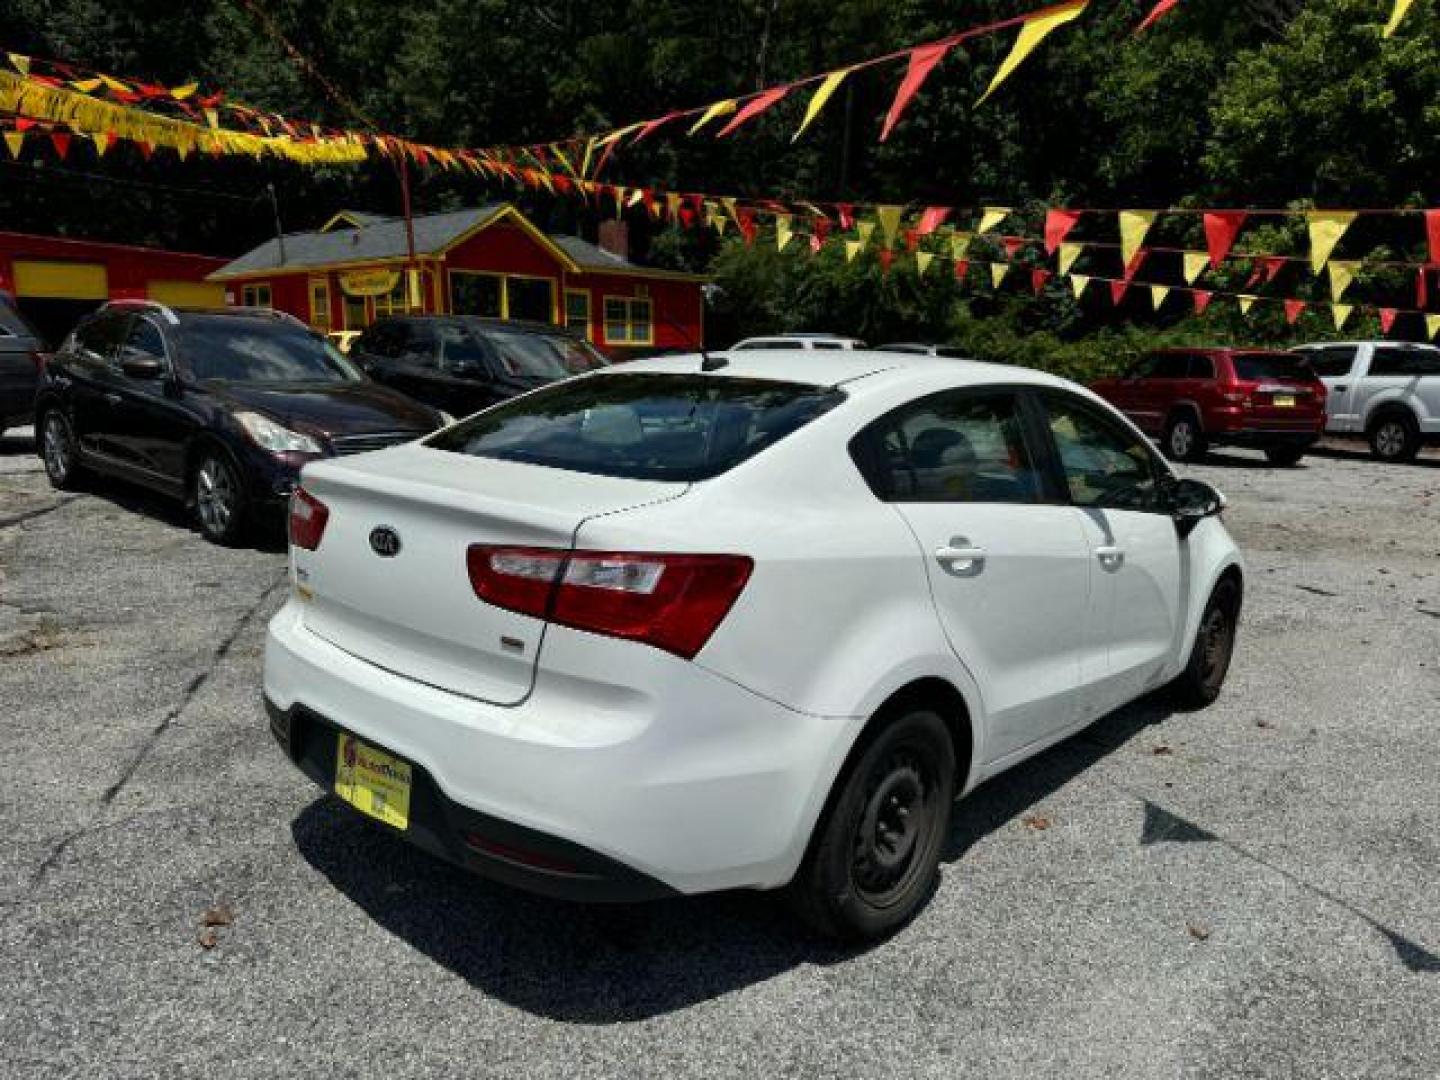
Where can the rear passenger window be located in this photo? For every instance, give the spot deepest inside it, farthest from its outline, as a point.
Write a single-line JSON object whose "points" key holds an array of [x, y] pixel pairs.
{"points": [[1200, 367], [1405, 362], [1331, 361], [952, 447]]}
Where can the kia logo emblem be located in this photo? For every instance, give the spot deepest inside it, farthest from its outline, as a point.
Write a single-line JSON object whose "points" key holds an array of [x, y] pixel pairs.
{"points": [[385, 541]]}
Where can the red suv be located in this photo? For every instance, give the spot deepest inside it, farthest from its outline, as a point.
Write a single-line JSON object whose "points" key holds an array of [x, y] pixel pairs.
{"points": [[1193, 399]]}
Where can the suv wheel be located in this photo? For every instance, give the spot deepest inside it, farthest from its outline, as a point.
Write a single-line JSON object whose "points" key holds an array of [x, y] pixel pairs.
{"points": [[1184, 441], [218, 496], [1199, 684], [876, 851], [57, 449], [1394, 437]]}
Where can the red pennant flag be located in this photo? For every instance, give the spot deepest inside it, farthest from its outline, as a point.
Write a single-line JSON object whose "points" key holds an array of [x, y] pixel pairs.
{"points": [[932, 219], [887, 256], [847, 216], [1117, 292], [61, 141], [1422, 288], [687, 217], [23, 123], [745, 218], [754, 107], [821, 226], [1202, 300], [1155, 13], [922, 62], [1271, 267], [962, 267], [1221, 228], [1432, 233], [1013, 245], [912, 240], [145, 149], [816, 244], [1038, 278], [1135, 264], [1387, 319], [1293, 308], [651, 125], [1058, 224]]}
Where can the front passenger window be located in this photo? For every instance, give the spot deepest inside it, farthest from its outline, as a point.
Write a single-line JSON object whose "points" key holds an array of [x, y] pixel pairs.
{"points": [[1105, 465]]}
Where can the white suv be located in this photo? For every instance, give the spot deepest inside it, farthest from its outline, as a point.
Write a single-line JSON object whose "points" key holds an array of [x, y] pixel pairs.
{"points": [[1387, 391], [695, 624], [796, 342]]}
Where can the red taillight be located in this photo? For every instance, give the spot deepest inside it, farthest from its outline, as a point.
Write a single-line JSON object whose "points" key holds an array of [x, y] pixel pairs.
{"points": [[308, 516], [39, 359], [673, 602]]}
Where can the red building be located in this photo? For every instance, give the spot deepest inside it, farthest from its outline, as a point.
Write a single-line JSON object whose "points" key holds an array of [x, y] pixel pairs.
{"points": [[55, 281], [490, 261]]}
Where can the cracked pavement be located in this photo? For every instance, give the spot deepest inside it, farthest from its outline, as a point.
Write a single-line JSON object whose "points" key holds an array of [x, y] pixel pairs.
{"points": [[1251, 890]]}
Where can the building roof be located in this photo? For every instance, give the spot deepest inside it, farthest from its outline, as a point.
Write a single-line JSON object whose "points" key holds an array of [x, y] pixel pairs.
{"points": [[351, 237]]}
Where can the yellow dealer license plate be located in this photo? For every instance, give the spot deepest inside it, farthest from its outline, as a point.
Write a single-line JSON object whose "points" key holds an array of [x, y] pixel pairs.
{"points": [[372, 781], [1284, 401]]}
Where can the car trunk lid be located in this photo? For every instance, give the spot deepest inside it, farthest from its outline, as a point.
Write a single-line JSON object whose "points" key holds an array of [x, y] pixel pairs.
{"points": [[415, 612], [1280, 389]]}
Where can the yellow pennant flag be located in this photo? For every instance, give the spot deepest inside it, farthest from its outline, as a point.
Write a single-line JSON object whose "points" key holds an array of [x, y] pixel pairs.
{"points": [[1246, 303], [1401, 8], [212, 117], [1432, 326], [1078, 282], [1195, 263], [960, 244], [86, 86], [1326, 229], [1341, 313], [14, 140], [783, 232], [1158, 293], [719, 221], [720, 108], [1068, 254], [1134, 225], [180, 93], [889, 218], [1342, 273], [115, 84], [819, 98], [19, 63], [992, 217], [1036, 29], [635, 197], [102, 143], [853, 248], [865, 229], [998, 272], [923, 259]]}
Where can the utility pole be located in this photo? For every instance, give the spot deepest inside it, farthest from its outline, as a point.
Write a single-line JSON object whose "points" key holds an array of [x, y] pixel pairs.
{"points": [[275, 209], [412, 284]]}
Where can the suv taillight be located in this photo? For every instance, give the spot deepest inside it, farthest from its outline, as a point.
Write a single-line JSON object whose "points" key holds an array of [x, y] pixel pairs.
{"points": [[308, 516], [674, 602]]}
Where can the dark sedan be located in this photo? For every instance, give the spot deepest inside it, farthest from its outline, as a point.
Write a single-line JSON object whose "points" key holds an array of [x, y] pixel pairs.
{"points": [[219, 408], [21, 359], [462, 364]]}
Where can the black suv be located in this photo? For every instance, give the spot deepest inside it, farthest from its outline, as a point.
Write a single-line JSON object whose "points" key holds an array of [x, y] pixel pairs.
{"points": [[463, 364], [220, 408], [20, 361]]}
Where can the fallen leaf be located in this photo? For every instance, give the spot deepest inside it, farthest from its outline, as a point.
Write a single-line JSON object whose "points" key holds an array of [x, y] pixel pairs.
{"points": [[1263, 724], [219, 915], [1198, 932], [208, 939], [1162, 751], [1037, 822]]}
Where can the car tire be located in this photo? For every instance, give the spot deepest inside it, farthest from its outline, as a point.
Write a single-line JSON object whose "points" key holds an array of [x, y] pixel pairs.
{"points": [[59, 450], [1284, 456], [1214, 646], [217, 497], [1394, 437], [875, 855], [1183, 439]]}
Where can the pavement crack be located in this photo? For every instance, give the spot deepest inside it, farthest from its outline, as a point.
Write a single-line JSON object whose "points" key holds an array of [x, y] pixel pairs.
{"points": [[41, 511], [222, 650]]}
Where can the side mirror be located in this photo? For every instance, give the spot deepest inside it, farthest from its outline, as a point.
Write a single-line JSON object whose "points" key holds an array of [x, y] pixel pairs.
{"points": [[139, 364], [1191, 502]]}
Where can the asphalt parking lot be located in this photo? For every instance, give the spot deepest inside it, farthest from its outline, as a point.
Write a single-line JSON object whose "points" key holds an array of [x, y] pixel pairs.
{"points": [[1249, 890]]}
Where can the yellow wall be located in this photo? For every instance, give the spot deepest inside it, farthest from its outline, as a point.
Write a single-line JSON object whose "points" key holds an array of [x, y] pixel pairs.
{"points": [[57, 280], [187, 293]]}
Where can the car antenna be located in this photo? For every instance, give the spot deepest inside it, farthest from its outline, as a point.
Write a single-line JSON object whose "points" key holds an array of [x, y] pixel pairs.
{"points": [[707, 362]]}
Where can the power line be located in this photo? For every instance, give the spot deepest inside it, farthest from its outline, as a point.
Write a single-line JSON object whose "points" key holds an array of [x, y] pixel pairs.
{"points": [[47, 172]]}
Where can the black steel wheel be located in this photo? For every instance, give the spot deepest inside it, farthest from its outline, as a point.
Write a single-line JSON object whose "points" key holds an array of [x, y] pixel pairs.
{"points": [[876, 851], [1199, 684]]}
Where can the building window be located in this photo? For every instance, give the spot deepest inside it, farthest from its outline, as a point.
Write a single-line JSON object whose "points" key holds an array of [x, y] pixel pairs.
{"points": [[502, 296], [320, 304], [628, 321], [530, 298], [577, 310], [256, 295]]}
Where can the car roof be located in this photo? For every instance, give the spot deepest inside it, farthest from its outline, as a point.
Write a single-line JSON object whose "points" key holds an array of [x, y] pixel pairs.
{"points": [[481, 321], [1216, 350], [845, 366]]}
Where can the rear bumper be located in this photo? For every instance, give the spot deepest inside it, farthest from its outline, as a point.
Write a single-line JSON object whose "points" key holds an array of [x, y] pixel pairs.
{"points": [[1264, 436], [680, 782]]}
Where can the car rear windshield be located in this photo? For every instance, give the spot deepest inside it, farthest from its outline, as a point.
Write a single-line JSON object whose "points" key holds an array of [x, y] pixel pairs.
{"points": [[681, 427], [227, 348], [1270, 366], [542, 356]]}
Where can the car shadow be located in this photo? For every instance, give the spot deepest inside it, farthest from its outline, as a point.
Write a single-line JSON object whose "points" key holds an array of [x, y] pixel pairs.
{"points": [[604, 964], [1360, 452], [17, 442], [267, 533]]}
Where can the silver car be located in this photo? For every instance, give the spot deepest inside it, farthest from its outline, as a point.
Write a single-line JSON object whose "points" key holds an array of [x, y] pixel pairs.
{"points": [[1387, 391]]}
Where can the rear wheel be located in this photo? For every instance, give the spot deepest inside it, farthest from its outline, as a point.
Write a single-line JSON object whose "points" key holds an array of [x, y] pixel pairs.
{"points": [[1184, 441], [1284, 455], [218, 496], [1394, 437], [58, 450], [876, 851], [1199, 684]]}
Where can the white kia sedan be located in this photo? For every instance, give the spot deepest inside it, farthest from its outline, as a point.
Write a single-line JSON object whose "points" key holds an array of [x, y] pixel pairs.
{"points": [[737, 621]]}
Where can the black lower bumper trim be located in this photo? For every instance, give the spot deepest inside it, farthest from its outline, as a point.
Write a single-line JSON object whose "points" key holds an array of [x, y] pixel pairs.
{"points": [[1262, 439], [489, 846]]}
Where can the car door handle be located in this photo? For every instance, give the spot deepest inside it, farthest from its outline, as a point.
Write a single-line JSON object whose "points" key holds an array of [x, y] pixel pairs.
{"points": [[961, 557], [1340, 389], [1111, 557]]}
